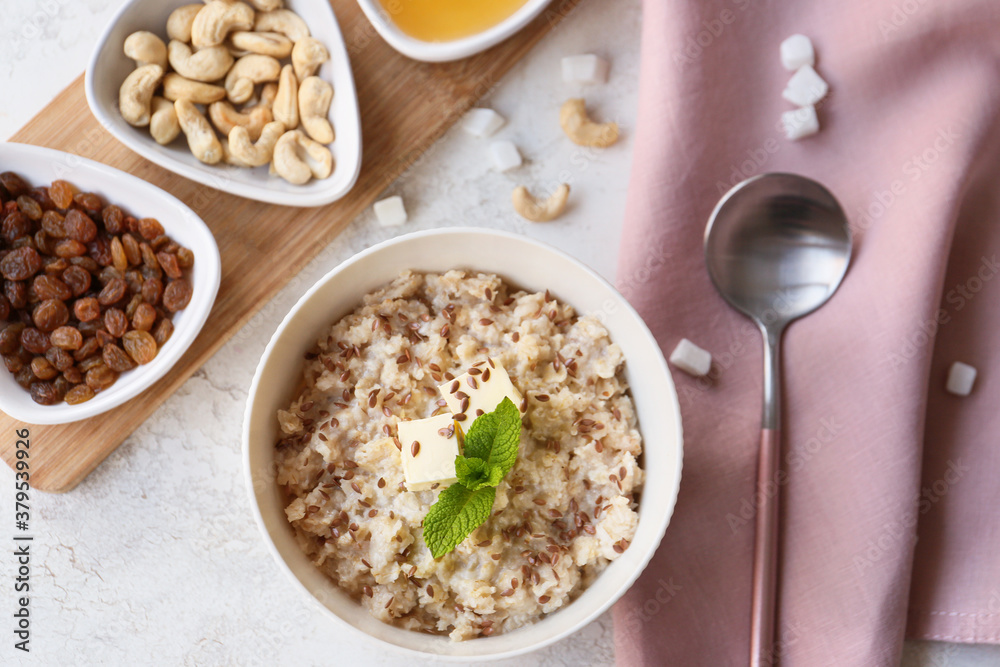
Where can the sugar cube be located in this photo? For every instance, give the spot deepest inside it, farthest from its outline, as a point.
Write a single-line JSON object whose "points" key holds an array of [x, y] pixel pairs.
{"points": [[505, 155], [585, 68], [390, 211], [960, 379], [691, 359], [482, 122], [797, 51], [805, 87], [800, 123]]}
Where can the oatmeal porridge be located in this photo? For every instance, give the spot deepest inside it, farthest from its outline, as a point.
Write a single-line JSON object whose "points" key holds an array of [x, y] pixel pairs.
{"points": [[566, 509]]}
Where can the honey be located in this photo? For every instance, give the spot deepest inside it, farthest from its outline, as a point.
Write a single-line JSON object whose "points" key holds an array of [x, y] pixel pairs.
{"points": [[446, 20]]}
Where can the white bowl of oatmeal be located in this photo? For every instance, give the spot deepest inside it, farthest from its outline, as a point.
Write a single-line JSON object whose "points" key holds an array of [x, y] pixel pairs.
{"points": [[574, 522]]}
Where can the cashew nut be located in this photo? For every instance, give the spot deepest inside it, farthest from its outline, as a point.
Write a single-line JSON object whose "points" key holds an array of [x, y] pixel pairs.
{"points": [[163, 123], [136, 94], [530, 209], [285, 21], [583, 131], [315, 96], [247, 71], [286, 102], [266, 5], [297, 158], [176, 87], [217, 19], [228, 157], [267, 95], [180, 21], [243, 149], [208, 64], [272, 44], [145, 48], [308, 54], [200, 136], [225, 118]]}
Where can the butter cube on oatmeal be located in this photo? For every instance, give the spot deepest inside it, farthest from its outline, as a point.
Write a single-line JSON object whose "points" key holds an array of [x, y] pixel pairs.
{"points": [[429, 450], [480, 390]]}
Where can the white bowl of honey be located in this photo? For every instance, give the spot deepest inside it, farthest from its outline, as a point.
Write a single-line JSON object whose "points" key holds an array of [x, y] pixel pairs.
{"points": [[442, 30]]}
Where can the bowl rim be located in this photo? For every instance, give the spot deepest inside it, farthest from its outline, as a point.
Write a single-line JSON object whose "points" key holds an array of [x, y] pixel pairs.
{"points": [[203, 297], [140, 144], [434, 52], [249, 477]]}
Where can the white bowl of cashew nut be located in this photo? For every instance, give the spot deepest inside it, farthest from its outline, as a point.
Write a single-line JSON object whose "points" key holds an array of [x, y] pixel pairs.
{"points": [[252, 98]]}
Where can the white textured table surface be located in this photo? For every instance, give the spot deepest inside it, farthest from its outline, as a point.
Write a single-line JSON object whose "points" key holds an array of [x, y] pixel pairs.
{"points": [[155, 558]]}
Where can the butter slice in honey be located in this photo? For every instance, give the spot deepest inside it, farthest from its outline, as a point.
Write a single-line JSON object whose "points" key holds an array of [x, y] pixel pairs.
{"points": [[429, 450], [478, 391]]}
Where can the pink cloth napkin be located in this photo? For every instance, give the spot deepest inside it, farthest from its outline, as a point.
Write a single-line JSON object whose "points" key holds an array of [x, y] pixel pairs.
{"points": [[891, 515]]}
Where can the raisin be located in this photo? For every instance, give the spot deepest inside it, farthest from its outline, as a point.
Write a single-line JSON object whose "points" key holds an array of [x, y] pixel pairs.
{"points": [[43, 242], [24, 376], [10, 338], [163, 244], [134, 280], [113, 292], [54, 224], [91, 362], [20, 264], [30, 207], [13, 184], [150, 228], [140, 345], [100, 377], [131, 224], [149, 272], [163, 332], [91, 328], [185, 258], [152, 290], [50, 314], [61, 359], [41, 195], [116, 359], [47, 287], [4, 307], [115, 322], [132, 251], [70, 248], [66, 338], [35, 341], [144, 317], [100, 250], [89, 202], [177, 295], [87, 309], [15, 225], [55, 265], [61, 193], [16, 292], [148, 256], [62, 386], [77, 279], [12, 362], [73, 375], [43, 369], [168, 262], [118, 258], [79, 394], [114, 219], [44, 393], [85, 263], [104, 338], [80, 227], [106, 274], [87, 350], [132, 305]]}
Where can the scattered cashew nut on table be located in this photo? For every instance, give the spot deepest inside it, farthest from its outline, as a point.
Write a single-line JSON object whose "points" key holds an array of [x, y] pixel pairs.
{"points": [[531, 209], [224, 117], [145, 48], [286, 101], [200, 136], [180, 21], [217, 19], [207, 65], [176, 87], [247, 72], [285, 21], [315, 97], [583, 131], [297, 158], [307, 55], [136, 94], [163, 123], [272, 44], [243, 148]]}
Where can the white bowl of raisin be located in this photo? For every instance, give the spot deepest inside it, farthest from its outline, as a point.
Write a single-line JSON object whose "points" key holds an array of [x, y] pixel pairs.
{"points": [[106, 281]]}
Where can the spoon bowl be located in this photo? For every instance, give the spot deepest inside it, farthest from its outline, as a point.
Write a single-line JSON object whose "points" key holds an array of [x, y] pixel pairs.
{"points": [[776, 248]]}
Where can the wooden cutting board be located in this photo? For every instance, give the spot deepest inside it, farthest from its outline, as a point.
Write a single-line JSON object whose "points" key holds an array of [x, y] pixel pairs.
{"points": [[405, 106]]}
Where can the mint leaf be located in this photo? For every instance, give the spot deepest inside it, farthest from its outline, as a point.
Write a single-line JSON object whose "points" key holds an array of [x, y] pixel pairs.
{"points": [[495, 436], [457, 512], [475, 474]]}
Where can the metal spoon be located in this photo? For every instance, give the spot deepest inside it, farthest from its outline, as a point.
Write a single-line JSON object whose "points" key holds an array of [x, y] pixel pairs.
{"points": [[776, 247]]}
